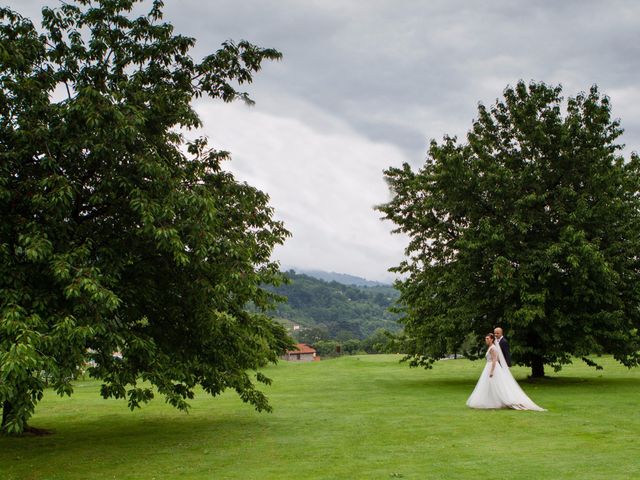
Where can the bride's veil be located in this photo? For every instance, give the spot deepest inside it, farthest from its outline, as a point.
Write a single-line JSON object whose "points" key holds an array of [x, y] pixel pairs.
{"points": [[515, 395], [501, 359]]}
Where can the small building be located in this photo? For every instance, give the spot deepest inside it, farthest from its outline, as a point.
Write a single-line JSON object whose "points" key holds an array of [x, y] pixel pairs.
{"points": [[302, 353]]}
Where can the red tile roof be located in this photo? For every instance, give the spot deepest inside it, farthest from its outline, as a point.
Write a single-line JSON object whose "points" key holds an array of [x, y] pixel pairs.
{"points": [[301, 348]]}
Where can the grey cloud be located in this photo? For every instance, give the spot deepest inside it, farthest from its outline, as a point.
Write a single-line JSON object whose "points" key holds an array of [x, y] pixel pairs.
{"points": [[362, 60], [394, 74]]}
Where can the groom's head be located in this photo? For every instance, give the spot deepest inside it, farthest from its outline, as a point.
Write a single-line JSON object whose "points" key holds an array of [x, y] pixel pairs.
{"points": [[497, 332]]}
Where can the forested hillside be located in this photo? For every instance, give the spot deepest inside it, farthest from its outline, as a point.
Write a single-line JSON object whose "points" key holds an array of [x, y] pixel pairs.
{"points": [[331, 310]]}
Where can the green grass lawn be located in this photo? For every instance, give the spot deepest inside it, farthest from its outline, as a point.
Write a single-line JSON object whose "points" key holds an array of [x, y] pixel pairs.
{"points": [[365, 417]]}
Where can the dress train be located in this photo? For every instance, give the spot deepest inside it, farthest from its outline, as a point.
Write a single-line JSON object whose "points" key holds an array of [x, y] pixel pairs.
{"points": [[499, 391]]}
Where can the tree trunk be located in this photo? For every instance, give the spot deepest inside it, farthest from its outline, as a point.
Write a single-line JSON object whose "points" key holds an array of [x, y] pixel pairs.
{"points": [[6, 411], [537, 367]]}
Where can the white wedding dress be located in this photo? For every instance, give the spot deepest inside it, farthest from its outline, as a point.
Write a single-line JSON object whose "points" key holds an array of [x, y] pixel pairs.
{"points": [[501, 390]]}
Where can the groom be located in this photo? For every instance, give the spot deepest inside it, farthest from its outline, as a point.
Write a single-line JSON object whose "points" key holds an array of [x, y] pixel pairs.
{"points": [[504, 345]]}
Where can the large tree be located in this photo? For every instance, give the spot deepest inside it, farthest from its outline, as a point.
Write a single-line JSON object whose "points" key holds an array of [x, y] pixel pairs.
{"points": [[532, 224], [117, 234]]}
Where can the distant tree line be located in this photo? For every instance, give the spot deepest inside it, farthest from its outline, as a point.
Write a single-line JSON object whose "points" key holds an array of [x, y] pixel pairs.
{"points": [[380, 341]]}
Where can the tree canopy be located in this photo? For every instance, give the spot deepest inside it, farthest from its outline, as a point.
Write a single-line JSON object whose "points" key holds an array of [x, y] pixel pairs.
{"points": [[117, 233], [532, 224]]}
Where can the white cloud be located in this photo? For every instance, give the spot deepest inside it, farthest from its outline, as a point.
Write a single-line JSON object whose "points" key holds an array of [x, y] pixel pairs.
{"points": [[625, 102], [323, 183]]}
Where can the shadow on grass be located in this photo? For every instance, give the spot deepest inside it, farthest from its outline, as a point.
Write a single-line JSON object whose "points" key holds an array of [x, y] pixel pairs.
{"points": [[119, 444], [469, 383], [561, 381], [122, 431]]}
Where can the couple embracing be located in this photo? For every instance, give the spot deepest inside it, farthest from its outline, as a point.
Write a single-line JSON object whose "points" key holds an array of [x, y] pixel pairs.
{"points": [[496, 387]]}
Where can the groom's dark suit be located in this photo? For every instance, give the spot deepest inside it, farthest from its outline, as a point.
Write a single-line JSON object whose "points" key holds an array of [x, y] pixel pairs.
{"points": [[504, 346]]}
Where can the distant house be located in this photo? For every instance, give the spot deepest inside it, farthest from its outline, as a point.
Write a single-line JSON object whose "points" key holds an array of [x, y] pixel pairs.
{"points": [[302, 353]]}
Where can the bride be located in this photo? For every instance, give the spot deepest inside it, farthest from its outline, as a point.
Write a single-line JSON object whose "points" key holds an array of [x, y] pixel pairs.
{"points": [[496, 387]]}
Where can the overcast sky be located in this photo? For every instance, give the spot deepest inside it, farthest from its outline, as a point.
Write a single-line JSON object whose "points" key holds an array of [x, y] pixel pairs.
{"points": [[366, 84]]}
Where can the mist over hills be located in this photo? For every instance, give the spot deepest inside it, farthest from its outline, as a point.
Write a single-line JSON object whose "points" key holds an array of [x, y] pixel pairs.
{"points": [[343, 278]]}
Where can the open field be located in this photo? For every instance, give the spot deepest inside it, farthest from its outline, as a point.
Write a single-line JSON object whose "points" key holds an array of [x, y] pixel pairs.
{"points": [[364, 417]]}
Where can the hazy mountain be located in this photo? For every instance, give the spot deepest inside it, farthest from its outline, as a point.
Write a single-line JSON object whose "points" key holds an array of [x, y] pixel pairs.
{"points": [[343, 278]]}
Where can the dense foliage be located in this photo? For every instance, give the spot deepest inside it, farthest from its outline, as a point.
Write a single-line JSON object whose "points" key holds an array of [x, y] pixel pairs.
{"points": [[532, 224], [116, 234], [334, 311]]}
